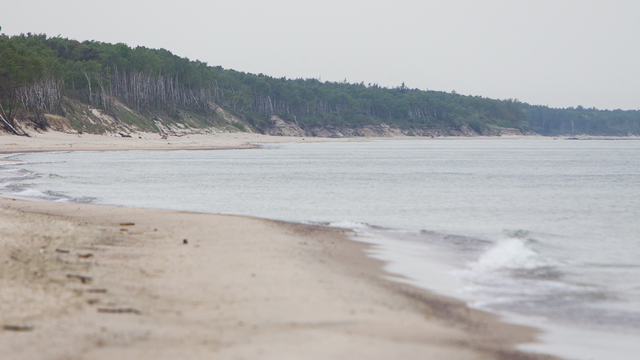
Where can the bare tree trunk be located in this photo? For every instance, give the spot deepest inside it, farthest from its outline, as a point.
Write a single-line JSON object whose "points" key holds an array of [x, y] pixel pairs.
{"points": [[9, 125], [103, 95], [6, 121], [84, 72]]}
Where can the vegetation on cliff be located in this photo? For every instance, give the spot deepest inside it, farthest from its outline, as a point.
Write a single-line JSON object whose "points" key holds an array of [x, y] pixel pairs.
{"points": [[148, 89]]}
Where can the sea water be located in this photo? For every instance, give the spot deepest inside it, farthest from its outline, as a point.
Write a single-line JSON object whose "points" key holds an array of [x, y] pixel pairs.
{"points": [[542, 232]]}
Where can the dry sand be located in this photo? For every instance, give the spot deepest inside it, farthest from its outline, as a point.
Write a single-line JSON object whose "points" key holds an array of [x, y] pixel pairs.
{"points": [[58, 141], [97, 282]]}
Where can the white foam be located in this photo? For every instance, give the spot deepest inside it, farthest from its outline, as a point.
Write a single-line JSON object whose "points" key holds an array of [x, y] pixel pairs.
{"points": [[511, 253], [33, 193], [37, 194], [415, 263], [347, 224], [492, 275]]}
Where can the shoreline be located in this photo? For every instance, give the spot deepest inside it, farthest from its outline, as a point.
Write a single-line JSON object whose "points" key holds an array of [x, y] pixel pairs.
{"points": [[240, 286], [462, 332], [52, 141], [56, 141]]}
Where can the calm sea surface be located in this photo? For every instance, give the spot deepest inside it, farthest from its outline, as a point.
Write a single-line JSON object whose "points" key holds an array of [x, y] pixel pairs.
{"points": [[544, 232]]}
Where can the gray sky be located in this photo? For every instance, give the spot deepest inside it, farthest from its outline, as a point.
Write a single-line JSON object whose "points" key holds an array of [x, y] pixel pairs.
{"points": [[559, 53]]}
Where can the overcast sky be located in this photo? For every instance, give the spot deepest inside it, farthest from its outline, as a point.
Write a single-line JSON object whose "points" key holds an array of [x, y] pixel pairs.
{"points": [[559, 53]]}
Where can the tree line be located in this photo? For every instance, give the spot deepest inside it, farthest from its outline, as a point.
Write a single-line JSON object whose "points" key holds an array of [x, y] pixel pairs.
{"points": [[38, 72]]}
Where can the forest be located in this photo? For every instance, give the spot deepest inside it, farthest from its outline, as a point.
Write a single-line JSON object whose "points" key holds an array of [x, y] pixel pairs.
{"points": [[42, 75]]}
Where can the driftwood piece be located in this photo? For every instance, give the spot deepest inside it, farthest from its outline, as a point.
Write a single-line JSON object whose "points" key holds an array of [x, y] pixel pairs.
{"points": [[64, 251], [97, 291], [9, 125], [84, 279], [127, 224], [18, 327], [24, 133], [85, 256], [119, 310]]}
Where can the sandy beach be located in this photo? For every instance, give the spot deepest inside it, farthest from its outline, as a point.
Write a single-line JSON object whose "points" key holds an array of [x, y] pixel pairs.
{"points": [[97, 282], [58, 141]]}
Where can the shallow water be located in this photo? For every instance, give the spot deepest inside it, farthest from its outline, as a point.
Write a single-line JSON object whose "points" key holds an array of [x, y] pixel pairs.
{"points": [[543, 231]]}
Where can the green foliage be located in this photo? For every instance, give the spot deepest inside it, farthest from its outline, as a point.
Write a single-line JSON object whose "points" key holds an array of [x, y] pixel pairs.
{"points": [[239, 126], [572, 121], [157, 80]]}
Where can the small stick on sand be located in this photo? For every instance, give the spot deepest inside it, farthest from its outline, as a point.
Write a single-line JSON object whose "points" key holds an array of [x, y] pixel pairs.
{"points": [[117, 310], [84, 279], [97, 291], [64, 251], [127, 224], [18, 327], [85, 256]]}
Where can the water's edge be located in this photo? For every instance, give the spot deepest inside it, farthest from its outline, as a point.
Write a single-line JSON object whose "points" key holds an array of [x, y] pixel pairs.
{"points": [[468, 267]]}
